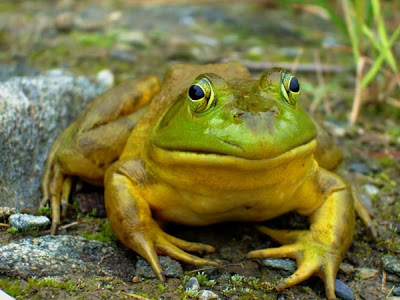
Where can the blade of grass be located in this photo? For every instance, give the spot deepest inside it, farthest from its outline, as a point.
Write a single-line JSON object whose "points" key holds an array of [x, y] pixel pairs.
{"points": [[347, 9], [378, 63], [383, 36]]}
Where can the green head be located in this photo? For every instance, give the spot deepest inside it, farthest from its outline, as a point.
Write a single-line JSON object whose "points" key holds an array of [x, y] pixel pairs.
{"points": [[247, 118]]}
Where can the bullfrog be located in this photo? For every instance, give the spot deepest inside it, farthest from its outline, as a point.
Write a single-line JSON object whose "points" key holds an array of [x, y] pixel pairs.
{"points": [[209, 144]]}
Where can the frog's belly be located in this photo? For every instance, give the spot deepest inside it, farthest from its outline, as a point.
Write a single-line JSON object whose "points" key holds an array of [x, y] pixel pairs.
{"points": [[204, 210]]}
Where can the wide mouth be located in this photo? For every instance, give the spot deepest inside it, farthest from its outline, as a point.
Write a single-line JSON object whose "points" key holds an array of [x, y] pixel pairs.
{"points": [[204, 158]]}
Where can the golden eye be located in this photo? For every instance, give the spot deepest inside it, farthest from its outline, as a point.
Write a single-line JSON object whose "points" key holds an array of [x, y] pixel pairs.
{"points": [[201, 95], [290, 88]]}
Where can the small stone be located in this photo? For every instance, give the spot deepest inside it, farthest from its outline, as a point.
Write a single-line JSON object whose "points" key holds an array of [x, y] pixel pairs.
{"points": [[134, 38], [171, 268], [391, 264], [360, 167], [347, 268], [192, 284], [285, 264], [65, 22], [28, 222], [106, 78], [396, 291], [392, 298], [366, 273], [207, 295], [343, 291], [136, 279], [5, 212], [5, 296], [370, 189], [122, 56]]}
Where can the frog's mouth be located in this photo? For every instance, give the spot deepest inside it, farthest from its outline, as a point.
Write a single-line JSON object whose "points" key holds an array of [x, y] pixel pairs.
{"points": [[203, 158]]}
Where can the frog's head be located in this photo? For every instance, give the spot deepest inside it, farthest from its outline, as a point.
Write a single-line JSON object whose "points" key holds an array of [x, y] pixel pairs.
{"points": [[245, 118]]}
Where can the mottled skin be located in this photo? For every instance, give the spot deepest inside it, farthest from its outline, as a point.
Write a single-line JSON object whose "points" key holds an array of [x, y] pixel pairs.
{"points": [[245, 152]]}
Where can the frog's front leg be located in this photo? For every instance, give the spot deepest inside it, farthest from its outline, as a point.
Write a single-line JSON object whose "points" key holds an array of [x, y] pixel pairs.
{"points": [[319, 250], [95, 140], [129, 214]]}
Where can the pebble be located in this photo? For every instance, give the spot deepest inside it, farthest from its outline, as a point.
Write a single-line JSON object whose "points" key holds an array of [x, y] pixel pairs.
{"points": [[391, 264], [192, 284], [5, 212], [134, 38], [343, 291], [347, 268], [5, 296], [28, 222], [122, 56], [207, 295], [106, 78], [366, 273], [360, 167], [171, 268], [371, 189], [285, 264], [396, 291], [65, 22]]}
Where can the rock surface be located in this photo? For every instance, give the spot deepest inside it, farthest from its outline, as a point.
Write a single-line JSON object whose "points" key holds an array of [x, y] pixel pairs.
{"points": [[63, 254], [286, 265], [33, 111], [171, 268]]}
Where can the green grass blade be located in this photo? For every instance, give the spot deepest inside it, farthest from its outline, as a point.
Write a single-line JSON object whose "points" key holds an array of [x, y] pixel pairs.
{"points": [[383, 36], [378, 63], [348, 9]]}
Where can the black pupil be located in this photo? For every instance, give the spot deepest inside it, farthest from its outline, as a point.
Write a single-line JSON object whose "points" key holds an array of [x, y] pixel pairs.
{"points": [[196, 92], [294, 85]]}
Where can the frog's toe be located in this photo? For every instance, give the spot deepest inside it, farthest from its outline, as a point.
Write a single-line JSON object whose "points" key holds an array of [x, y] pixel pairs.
{"points": [[304, 272], [282, 236], [289, 251], [189, 246], [167, 248]]}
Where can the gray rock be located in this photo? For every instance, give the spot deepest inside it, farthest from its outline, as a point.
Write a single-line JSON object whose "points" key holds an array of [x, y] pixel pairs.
{"points": [[59, 255], [392, 298], [207, 295], [171, 268], [18, 69], [5, 296], [396, 291], [33, 111], [285, 264], [192, 284], [391, 264], [360, 167], [28, 222], [343, 291]]}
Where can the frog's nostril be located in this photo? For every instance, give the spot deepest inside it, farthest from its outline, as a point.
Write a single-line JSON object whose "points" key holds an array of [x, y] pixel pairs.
{"points": [[238, 115]]}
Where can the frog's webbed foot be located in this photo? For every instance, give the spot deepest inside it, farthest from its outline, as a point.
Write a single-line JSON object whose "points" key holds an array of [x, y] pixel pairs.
{"points": [[312, 256], [157, 241]]}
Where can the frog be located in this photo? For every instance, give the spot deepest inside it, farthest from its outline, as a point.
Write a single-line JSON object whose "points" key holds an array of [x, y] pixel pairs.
{"points": [[208, 144]]}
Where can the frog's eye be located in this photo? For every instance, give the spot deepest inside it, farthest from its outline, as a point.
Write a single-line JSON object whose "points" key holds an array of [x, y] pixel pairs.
{"points": [[290, 88], [201, 96]]}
